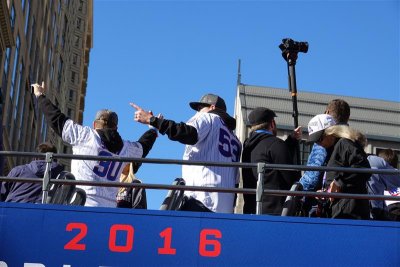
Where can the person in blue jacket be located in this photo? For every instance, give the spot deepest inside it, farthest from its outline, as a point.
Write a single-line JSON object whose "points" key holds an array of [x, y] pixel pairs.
{"points": [[384, 184], [29, 192], [319, 156]]}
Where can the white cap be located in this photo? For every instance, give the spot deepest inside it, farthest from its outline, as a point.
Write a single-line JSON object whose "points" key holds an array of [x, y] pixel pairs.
{"points": [[317, 126]]}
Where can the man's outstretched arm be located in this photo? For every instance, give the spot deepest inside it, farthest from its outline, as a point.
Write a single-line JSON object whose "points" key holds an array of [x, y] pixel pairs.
{"points": [[181, 132], [54, 117]]}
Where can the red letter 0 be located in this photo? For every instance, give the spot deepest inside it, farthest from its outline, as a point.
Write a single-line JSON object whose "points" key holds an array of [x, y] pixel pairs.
{"points": [[73, 244], [166, 249], [204, 242], [113, 237]]}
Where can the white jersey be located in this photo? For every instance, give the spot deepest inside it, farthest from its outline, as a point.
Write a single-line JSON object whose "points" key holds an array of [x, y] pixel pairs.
{"points": [[218, 144], [86, 141]]}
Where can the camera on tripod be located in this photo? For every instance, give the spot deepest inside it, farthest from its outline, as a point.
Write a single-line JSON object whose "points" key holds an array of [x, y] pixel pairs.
{"points": [[288, 45]]}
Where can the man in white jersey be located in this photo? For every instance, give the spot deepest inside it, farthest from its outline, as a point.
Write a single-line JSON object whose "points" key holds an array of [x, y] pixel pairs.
{"points": [[208, 136], [101, 140]]}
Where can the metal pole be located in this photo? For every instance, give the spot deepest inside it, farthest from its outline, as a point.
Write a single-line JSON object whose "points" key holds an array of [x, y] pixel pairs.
{"points": [[260, 186], [291, 63], [293, 89], [46, 178]]}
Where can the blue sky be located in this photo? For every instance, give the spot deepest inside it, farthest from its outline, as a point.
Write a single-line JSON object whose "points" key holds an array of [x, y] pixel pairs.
{"points": [[163, 54]]}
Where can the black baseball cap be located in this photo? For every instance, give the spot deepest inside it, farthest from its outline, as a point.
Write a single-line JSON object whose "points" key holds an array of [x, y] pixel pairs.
{"points": [[208, 100], [261, 115], [108, 117]]}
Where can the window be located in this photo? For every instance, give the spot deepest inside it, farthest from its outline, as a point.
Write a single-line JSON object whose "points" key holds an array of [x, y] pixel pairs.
{"points": [[71, 95], [55, 36], [78, 23], [53, 20], [43, 129], [73, 76], [18, 89], [305, 150], [59, 72], [15, 65], [77, 41], [7, 60], [27, 16], [31, 34], [80, 7], [47, 36], [21, 120], [64, 31], [12, 17], [49, 56], [45, 16], [52, 72], [34, 133], [75, 59], [5, 70]]}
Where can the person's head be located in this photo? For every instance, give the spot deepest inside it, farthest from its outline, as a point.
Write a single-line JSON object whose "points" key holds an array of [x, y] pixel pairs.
{"points": [[262, 118], [208, 102], [105, 119], [46, 147], [317, 127], [339, 110], [390, 156]]}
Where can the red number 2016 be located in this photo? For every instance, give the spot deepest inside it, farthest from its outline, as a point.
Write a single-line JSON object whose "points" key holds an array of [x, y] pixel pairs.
{"points": [[209, 245]]}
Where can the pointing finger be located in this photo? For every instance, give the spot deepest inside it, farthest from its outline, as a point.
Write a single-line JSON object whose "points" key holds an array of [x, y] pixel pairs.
{"points": [[135, 106]]}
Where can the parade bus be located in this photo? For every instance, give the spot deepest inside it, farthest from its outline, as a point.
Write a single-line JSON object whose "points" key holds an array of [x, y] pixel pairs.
{"points": [[52, 234]]}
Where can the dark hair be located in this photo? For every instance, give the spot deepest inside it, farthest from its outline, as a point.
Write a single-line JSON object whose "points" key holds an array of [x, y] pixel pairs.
{"points": [[390, 156], [46, 147], [339, 110]]}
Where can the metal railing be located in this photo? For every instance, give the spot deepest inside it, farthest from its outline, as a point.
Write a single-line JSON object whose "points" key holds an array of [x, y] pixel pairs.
{"points": [[259, 191]]}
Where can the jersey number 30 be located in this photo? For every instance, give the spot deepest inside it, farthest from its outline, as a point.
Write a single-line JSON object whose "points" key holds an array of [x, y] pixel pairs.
{"points": [[228, 147], [108, 169]]}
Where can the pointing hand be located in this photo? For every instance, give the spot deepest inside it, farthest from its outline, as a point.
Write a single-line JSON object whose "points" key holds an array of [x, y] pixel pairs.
{"points": [[141, 115]]}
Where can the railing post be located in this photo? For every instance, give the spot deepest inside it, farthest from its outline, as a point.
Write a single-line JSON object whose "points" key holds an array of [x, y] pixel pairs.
{"points": [[260, 186], [46, 178]]}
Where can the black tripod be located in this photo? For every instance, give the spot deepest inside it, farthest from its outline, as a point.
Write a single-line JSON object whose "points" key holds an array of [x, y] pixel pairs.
{"points": [[290, 49]]}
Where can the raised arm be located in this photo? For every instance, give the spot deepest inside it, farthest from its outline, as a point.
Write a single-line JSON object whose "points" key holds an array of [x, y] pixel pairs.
{"points": [[54, 117], [180, 132]]}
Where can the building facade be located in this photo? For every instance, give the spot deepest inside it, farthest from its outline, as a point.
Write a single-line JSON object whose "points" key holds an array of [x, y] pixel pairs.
{"points": [[50, 41]]}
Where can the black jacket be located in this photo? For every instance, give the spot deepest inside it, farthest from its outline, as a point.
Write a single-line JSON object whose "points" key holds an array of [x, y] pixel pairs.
{"points": [[27, 192], [347, 153], [262, 147], [187, 134]]}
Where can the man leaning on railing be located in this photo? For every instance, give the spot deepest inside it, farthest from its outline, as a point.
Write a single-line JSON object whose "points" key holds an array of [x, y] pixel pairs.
{"points": [[29, 192]]}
